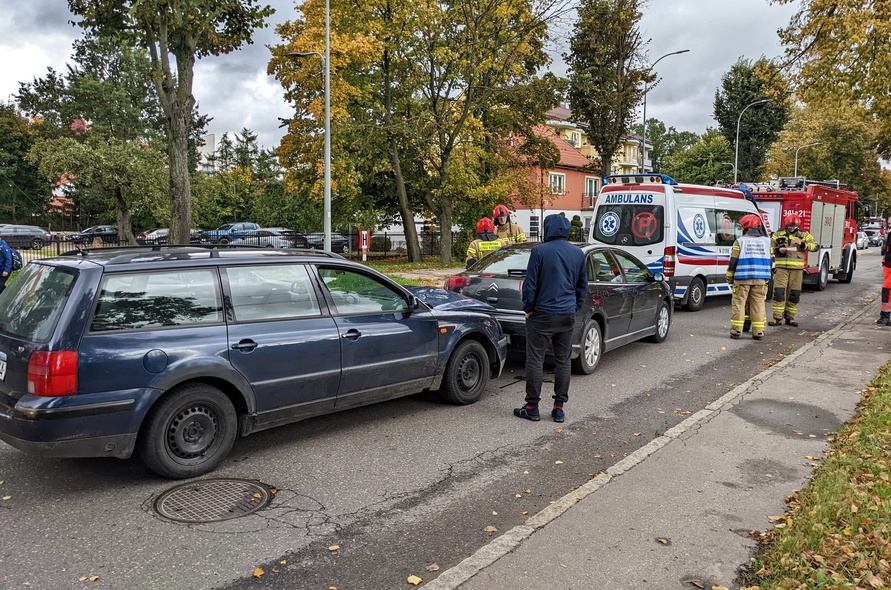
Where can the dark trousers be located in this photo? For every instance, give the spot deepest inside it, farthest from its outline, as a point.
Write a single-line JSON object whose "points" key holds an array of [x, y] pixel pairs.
{"points": [[541, 329]]}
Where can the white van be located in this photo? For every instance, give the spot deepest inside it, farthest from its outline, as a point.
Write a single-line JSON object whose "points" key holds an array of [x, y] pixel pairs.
{"points": [[684, 231]]}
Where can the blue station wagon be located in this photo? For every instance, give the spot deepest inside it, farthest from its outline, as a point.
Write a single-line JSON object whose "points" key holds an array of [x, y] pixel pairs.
{"points": [[174, 351]]}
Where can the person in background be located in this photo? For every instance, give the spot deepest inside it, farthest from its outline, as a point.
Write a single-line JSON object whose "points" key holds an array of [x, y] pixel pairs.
{"points": [[5, 263], [885, 313], [788, 245], [486, 241], [749, 273], [507, 230], [554, 289]]}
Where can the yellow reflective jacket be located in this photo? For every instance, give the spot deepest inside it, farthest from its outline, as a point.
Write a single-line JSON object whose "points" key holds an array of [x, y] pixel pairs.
{"points": [[793, 257], [480, 247], [510, 232]]}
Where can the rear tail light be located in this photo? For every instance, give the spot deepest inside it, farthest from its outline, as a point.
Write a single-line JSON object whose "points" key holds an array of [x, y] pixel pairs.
{"points": [[52, 373], [668, 262], [456, 283]]}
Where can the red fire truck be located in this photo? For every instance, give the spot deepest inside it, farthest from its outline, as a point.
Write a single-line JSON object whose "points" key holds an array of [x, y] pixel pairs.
{"points": [[828, 211]]}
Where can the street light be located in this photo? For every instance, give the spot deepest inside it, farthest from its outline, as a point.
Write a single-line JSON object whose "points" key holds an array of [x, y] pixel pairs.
{"points": [[326, 68], [643, 163], [736, 157], [798, 150]]}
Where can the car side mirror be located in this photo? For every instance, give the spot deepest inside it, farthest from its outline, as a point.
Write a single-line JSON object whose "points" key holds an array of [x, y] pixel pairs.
{"points": [[413, 302], [658, 277]]}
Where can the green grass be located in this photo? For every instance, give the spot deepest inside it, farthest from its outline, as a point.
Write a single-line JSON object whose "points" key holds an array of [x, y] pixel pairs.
{"points": [[401, 264], [837, 533]]}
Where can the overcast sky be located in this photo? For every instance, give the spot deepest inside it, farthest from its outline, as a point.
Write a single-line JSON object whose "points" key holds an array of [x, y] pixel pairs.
{"points": [[235, 91]]}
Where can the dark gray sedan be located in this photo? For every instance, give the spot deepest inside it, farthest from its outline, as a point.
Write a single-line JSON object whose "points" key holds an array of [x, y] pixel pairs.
{"points": [[626, 301]]}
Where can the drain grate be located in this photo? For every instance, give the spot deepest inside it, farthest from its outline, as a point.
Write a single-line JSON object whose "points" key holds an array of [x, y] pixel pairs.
{"points": [[212, 500]]}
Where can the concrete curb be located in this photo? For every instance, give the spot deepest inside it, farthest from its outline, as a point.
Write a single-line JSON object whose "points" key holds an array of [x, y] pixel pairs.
{"points": [[504, 544]]}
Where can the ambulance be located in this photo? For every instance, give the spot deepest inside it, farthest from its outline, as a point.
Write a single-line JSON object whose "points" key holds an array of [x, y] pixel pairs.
{"points": [[825, 209], [684, 231]]}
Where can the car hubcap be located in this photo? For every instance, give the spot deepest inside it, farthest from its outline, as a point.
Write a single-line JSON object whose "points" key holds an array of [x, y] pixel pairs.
{"points": [[469, 372], [592, 347], [192, 432], [662, 324]]}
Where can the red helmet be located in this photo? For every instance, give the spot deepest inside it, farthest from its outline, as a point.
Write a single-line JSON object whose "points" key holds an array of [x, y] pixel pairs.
{"points": [[485, 224], [500, 210], [749, 221], [791, 220]]}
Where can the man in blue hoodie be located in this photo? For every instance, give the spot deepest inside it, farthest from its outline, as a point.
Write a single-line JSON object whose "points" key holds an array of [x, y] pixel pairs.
{"points": [[5, 263], [555, 286]]}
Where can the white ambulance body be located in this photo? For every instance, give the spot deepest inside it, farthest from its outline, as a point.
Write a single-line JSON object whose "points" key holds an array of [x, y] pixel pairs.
{"points": [[684, 231]]}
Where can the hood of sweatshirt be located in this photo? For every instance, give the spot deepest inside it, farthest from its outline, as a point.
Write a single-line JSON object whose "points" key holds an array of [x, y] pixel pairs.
{"points": [[556, 226]]}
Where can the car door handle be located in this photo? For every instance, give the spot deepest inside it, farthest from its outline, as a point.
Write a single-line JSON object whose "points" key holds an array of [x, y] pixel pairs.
{"points": [[246, 345], [352, 334]]}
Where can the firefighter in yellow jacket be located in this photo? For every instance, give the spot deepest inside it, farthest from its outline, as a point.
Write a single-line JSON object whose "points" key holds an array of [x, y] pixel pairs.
{"points": [[508, 231], [789, 246], [486, 241]]}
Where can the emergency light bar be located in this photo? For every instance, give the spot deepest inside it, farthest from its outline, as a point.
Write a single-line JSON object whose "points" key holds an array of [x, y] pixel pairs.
{"points": [[638, 179]]}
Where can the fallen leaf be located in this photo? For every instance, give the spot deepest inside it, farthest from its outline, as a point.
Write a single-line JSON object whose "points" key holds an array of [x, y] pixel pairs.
{"points": [[697, 583], [525, 512], [283, 562], [663, 541], [723, 348], [257, 496], [334, 548], [273, 491], [528, 491], [82, 579], [490, 529], [562, 565], [274, 570], [719, 587], [7, 498], [93, 578], [518, 495], [414, 580], [494, 513], [258, 572], [433, 567], [558, 462], [636, 434]]}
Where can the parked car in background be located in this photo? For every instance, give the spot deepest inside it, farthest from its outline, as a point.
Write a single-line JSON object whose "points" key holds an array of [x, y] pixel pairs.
{"points": [[272, 237], [228, 232], [339, 242], [626, 301], [875, 236], [173, 356], [161, 236], [107, 233], [862, 240], [25, 236]]}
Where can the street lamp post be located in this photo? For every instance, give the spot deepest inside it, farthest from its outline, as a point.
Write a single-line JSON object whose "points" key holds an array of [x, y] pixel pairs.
{"points": [[795, 173], [643, 163], [326, 68], [736, 157]]}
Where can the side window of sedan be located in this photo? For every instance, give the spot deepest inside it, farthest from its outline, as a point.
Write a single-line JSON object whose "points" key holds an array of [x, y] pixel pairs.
{"points": [[635, 272], [355, 293], [271, 292], [602, 268]]}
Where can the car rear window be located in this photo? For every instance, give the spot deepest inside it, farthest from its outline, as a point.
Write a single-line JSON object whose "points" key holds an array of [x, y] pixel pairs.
{"points": [[504, 262], [30, 306]]}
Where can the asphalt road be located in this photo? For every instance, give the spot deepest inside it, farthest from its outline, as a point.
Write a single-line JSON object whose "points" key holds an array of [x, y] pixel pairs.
{"points": [[398, 486]]}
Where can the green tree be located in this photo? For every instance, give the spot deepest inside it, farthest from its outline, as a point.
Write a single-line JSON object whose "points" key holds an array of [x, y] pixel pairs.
{"points": [[665, 142], [843, 49], [705, 162], [748, 82], [607, 72], [21, 192], [175, 34]]}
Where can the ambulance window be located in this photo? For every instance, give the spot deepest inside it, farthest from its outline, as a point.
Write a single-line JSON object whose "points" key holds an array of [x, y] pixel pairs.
{"points": [[629, 225], [727, 227]]}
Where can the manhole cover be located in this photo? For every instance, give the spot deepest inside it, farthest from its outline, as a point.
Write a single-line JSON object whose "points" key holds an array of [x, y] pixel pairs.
{"points": [[212, 500]]}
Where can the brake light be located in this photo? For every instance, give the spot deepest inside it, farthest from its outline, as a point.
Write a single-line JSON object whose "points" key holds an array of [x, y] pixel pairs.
{"points": [[52, 373], [668, 262], [456, 283]]}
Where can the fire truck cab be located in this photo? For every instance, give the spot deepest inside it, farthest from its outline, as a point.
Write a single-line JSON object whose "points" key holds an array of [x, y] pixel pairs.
{"points": [[829, 212]]}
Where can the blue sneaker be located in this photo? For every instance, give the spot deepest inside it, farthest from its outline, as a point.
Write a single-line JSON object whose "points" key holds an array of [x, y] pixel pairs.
{"points": [[557, 414], [529, 411]]}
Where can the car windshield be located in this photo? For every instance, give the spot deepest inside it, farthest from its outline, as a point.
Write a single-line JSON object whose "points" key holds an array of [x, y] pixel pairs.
{"points": [[225, 226], [507, 261], [31, 305]]}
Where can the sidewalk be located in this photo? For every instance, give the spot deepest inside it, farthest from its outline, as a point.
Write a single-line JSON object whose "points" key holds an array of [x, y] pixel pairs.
{"points": [[677, 513]]}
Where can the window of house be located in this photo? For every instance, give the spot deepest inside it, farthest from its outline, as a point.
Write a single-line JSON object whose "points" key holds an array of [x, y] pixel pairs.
{"points": [[576, 138], [558, 183], [533, 226], [591, 186]]}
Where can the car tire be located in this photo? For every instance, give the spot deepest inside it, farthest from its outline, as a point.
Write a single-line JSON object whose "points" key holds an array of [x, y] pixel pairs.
{"points": [[189, 432], [466, 374], [36, 244], [663, 323], [345, 249], [223, 241], [590, 349], [695, 295]]}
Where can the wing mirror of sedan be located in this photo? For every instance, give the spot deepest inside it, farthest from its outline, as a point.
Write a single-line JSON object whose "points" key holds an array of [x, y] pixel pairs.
{"points": [[658, 277], [413, 302]]}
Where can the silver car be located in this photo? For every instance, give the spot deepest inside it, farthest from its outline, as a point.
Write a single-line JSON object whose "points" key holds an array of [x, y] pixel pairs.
{"points": [[272, 237], [862, 240]]}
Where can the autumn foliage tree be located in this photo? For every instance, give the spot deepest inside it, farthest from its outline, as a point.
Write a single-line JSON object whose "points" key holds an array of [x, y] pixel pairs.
{"points": [[175, 33]]}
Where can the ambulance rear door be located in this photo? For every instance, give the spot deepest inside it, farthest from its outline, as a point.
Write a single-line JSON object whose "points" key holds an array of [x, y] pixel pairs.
{"points": [[633, 218]]}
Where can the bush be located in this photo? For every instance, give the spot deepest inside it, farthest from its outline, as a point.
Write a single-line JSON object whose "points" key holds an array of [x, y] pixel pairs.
{"points": [[381, 244]]}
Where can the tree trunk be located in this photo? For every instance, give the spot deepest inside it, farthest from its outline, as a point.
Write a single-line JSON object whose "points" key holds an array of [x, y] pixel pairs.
{"points": [[445, 231], [180, 180], [408, 218], [124, 223]]}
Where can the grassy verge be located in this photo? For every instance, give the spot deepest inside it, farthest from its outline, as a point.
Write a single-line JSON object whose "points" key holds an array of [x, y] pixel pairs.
{"points": [[402, 265], [837, 533]]}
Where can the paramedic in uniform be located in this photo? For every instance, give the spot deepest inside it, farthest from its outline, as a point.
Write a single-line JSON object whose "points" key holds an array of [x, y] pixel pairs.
{"points": [[788, 246], [749, 273], [508, 231], [486, 241]]}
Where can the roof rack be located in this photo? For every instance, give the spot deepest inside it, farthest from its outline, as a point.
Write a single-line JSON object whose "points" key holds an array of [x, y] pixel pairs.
{"points": [[125, 254]]}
